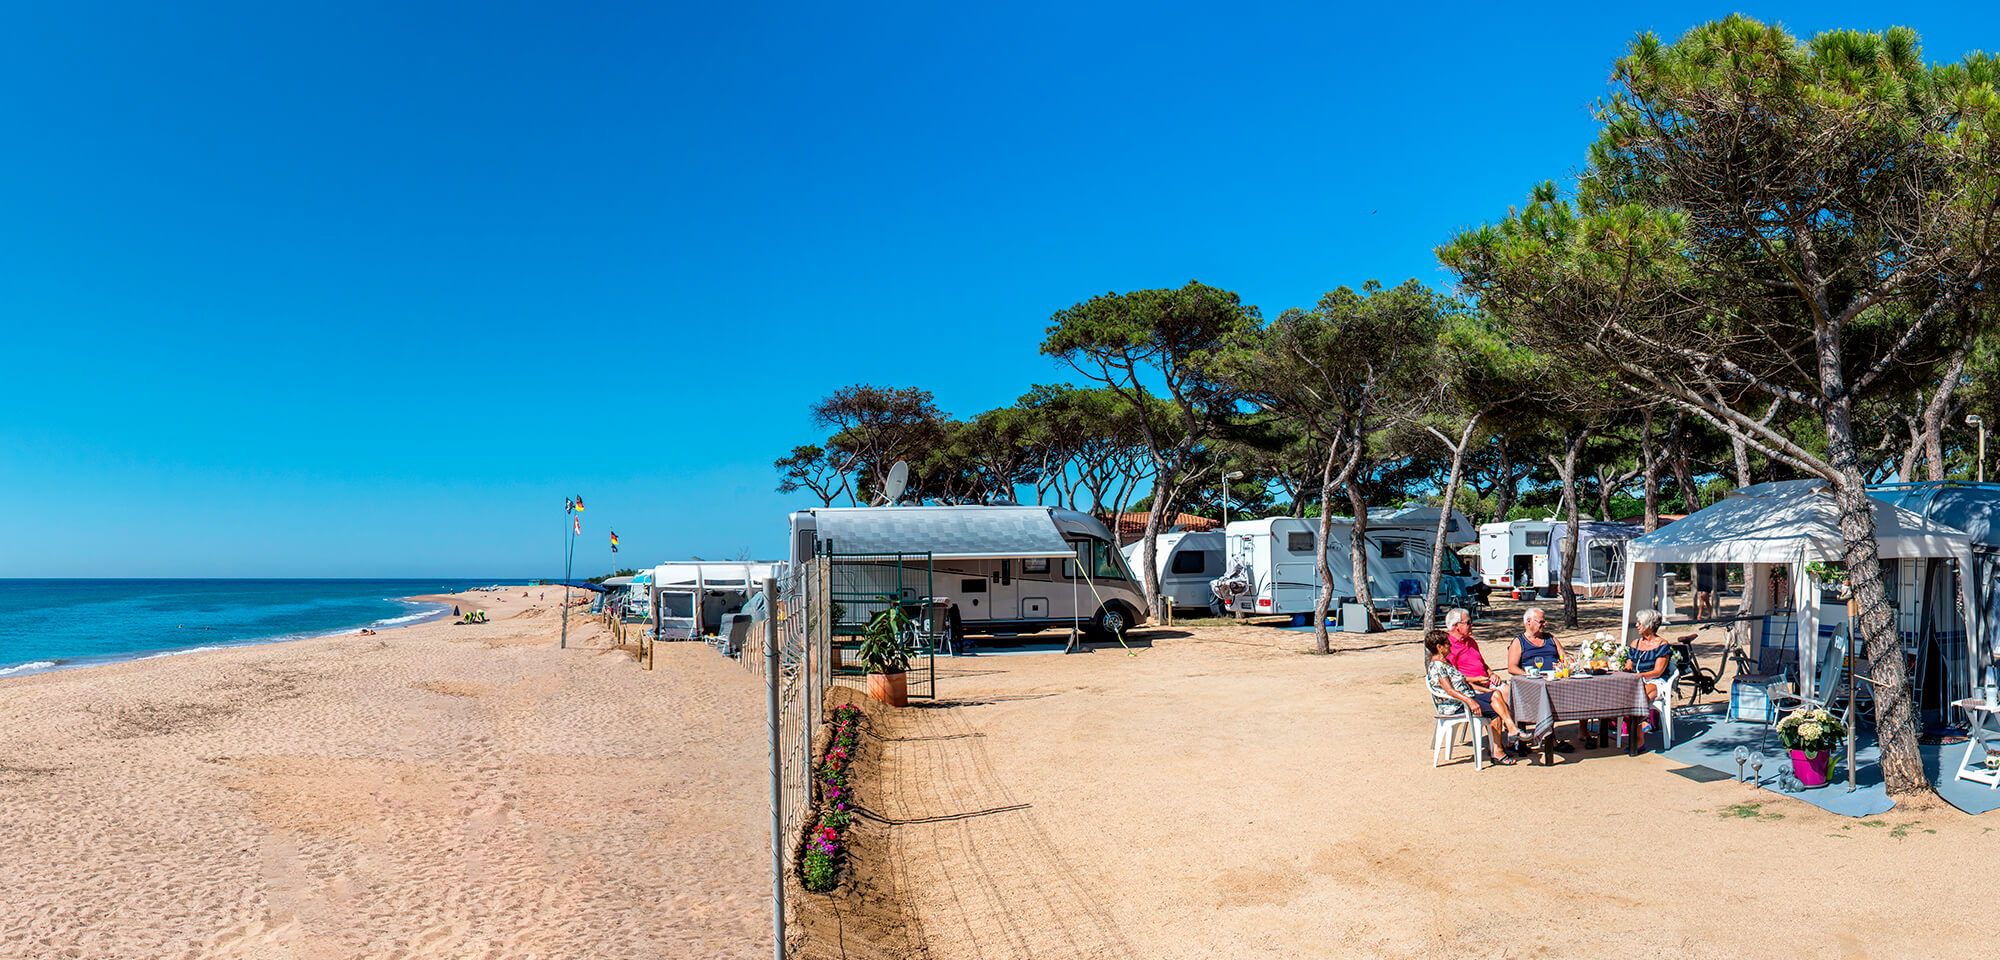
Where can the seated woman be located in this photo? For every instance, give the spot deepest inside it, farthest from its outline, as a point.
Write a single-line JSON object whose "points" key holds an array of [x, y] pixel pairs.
{"points": [[1453, 695], [1652, 659]]}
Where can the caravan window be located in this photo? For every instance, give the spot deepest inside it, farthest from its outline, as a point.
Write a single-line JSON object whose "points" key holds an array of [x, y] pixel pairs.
{"points": [[1299, 542], [677, 605], [1190, 561], [1392, 549], [1537, 538]]}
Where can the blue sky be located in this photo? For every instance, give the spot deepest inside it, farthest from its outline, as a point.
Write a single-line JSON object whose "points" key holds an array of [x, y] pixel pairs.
{"points": [[367, 289]]}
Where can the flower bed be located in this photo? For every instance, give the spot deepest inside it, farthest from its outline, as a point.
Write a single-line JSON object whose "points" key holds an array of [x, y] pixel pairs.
{"points": [[823, 847]]}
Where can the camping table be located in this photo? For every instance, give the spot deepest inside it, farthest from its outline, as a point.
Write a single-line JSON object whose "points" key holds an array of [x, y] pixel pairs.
{"points": [[1541, 703], [1982, 738]]}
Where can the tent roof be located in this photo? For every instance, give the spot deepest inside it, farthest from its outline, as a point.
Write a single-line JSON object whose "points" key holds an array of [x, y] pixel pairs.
{"points": [[1784, 522], [617, 581], [948, 533]]}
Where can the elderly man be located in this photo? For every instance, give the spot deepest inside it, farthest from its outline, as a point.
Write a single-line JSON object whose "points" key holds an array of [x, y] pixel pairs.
{"points": [[1537, 647]]}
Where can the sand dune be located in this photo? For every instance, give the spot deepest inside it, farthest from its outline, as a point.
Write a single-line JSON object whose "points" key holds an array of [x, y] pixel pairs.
{"points": [[433, 791]]}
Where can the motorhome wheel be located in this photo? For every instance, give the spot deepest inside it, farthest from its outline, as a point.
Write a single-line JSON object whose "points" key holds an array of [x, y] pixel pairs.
{"points": [[1111, 620]]}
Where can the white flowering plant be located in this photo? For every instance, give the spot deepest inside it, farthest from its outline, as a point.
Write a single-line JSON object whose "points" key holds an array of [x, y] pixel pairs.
{"points": [[1603, 646], [1811, 730]]}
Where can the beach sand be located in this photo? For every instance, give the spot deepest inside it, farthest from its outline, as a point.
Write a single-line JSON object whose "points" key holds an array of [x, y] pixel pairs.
{"points": [[437, 790], [1224, 794]]}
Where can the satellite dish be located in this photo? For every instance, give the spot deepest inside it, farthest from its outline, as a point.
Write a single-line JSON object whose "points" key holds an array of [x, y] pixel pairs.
{"points": [[899, 478]]}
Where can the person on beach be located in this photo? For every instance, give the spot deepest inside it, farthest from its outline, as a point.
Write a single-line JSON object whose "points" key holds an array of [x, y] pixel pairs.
{"points": [[1453, 693], [1652, 657]]}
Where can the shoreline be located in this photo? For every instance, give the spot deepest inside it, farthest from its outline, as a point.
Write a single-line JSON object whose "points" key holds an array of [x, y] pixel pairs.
{"points": [[439, 608]]}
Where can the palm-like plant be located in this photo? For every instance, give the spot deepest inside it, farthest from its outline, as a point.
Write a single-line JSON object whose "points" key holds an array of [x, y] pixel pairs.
{"points": [[882, 647]]}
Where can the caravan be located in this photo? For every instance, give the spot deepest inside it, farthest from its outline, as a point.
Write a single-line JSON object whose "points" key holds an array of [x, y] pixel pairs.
{"points": [[999, 569], [1278, 559], [1188, 563], [689, 599]]}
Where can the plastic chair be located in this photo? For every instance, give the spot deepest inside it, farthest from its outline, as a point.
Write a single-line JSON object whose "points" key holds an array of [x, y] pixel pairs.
{"points": [[1447, 738]]}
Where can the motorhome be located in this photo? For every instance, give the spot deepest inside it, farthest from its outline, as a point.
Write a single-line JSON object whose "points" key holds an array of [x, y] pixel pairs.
{"points": [[1277, 556], [1526, 555], [1187, 563], [689, 598], [999, 569]]}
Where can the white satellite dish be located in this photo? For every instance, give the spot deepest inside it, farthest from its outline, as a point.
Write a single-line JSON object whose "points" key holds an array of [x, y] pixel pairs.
{"points": [[899, 478]]}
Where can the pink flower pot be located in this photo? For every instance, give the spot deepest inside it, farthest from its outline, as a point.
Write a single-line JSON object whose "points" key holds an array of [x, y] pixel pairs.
{"points": [[1811, 768]]}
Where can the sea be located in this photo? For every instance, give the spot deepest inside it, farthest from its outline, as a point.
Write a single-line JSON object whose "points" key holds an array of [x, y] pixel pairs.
{"points": [[63, 624]]}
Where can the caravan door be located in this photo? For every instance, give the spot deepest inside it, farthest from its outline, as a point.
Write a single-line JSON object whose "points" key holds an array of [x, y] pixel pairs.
{"points": [[1003, 592]]}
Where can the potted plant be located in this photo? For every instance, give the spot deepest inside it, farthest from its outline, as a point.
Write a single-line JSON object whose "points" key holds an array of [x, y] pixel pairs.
{"points": [[887, 659], [1811, 735]]}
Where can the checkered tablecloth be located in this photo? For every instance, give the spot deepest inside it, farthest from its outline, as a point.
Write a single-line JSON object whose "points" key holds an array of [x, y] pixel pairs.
{"points": [[1540, 703]]}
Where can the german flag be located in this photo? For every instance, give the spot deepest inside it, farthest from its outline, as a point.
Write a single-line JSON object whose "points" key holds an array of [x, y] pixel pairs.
{"points": [[579, 504], [614, 541]]}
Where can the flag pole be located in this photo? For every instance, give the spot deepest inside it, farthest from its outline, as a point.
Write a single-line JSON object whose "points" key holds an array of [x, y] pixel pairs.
{"points": [[569, 553]]}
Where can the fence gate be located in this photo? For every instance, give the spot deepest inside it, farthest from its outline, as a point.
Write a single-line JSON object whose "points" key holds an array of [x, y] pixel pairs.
{"points": [[861, 585]]}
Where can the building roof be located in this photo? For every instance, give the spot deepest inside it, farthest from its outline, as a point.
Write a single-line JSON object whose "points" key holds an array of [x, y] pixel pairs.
{"points": [[1132, 526]]}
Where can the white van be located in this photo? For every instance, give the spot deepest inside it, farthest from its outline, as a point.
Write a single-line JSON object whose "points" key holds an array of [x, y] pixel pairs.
{"points": [[1187, 563], [1003, 569], [1514, 554]]}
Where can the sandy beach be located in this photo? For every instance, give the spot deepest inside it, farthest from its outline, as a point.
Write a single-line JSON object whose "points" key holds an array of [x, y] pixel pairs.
{"points": [[1225, 794], [437, 790]]}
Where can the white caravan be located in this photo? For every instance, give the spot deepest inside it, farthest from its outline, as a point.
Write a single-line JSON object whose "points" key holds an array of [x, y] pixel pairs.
{"points": [[1278, 559], [1187, 563], [1001, 569], [1527, 555], [690, 598]]}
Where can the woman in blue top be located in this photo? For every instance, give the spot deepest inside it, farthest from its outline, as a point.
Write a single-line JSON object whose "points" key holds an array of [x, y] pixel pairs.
{"points": [[1652, 659]]}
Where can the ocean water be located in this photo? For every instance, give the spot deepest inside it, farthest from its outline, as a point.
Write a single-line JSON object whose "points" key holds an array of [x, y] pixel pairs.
{"points": [[59, 624]]}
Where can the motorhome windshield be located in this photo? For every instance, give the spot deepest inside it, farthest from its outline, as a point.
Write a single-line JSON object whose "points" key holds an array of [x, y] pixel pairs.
{"points": [[1101, 561]]}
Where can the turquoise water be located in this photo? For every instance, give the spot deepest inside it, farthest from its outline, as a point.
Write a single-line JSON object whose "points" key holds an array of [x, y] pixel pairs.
{"points": [[55, 624]]}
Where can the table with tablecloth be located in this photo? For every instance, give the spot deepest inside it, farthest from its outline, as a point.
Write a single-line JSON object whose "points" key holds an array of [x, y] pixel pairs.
{"points": [[1539, 704]]}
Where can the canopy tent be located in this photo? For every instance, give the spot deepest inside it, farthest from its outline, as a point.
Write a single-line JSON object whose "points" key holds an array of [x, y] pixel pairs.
{"points": [[1975, 509], [1786, 524]]}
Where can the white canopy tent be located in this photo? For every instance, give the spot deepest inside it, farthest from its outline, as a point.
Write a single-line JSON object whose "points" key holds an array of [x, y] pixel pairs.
{"points": [[1773, 525]]}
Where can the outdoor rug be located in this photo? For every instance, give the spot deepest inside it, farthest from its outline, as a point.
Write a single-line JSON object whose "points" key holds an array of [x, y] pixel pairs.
{"points": [[1711, 741]]}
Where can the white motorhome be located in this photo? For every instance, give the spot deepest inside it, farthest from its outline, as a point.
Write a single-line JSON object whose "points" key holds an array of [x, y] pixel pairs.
{"points": [[1527, 555], [1002, 569], [1187, 563], [1514, 554], [1279, 559], [690, 598]]}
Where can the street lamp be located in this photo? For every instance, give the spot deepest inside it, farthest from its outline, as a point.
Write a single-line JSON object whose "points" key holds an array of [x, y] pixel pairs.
{"points": [[1975, 421], [1231, 475]]}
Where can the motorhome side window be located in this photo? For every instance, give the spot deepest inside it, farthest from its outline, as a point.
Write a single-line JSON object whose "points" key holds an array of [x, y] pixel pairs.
{"points": [[1035, 565], [677, 605], [1189, 561], [1299, 542], [1538, 538], [1392, 549], [1101, 560]]}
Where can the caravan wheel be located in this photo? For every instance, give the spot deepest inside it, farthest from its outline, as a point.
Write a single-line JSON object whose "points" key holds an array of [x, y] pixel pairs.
{"points": [[1216, 608], [1111, 621]]}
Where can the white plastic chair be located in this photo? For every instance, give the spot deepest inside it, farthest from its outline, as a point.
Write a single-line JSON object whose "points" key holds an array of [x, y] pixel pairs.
{"points": [[1447, 738]]}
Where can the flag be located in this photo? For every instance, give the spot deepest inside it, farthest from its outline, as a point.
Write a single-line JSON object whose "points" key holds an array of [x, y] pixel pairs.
{"points": [[614, 541], [579, 526], [569, 506], [579, 502]]}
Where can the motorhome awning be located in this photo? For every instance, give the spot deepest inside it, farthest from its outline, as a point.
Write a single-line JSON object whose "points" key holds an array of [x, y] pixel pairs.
{"points": [[946, 533]]}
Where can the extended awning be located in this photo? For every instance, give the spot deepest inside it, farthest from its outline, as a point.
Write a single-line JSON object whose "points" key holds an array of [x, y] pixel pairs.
{"points": [[946, 533]]}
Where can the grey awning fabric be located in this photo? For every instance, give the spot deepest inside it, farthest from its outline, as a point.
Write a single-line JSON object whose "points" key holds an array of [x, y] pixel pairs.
{"points": [[946, 533], [618, 581]]}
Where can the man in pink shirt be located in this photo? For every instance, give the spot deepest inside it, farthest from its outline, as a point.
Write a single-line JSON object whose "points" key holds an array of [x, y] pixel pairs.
{"points": [[1464, 653]]}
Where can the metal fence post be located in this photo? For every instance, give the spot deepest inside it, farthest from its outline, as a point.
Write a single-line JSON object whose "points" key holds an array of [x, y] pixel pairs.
{"points": [[774, 676]]}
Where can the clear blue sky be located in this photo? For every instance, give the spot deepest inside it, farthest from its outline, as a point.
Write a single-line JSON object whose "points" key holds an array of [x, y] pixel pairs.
{"points": [[366, 289]]}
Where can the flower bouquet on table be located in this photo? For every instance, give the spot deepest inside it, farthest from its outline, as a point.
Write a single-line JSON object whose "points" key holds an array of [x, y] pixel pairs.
{"points": [[1811, 735], [1599, 652]]}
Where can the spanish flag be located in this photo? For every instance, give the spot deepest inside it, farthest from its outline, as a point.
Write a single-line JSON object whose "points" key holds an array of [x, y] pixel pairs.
{"points": [[614, 541]]}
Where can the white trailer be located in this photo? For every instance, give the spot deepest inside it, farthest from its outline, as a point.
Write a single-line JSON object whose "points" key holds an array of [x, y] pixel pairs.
{"points": [[1001, 569], [1527, 555], [1188, 562]]}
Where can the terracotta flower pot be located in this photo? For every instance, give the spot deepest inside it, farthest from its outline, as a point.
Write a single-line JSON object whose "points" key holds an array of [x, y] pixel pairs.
{"points": [[889, 688]]}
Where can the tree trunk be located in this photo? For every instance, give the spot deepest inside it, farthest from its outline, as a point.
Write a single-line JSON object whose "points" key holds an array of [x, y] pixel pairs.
{"points": [[1155, 517], [1649, 459], [1604, 484], [1322, 566], [1357, 544], [1504, 492], [1934, 414], [1684, 478], [1566, 468], [1438, 545]]}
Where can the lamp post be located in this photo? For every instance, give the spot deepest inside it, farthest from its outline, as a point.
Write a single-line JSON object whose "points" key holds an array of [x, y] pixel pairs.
{"points": [[1231, 475], [1975, 421]]}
